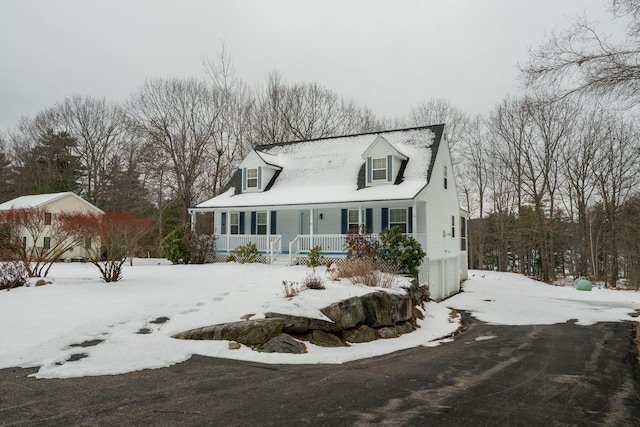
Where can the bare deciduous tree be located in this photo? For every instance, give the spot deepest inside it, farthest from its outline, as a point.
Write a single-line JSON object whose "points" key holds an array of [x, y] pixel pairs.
{"points": [[582, 60], [179, 118]]}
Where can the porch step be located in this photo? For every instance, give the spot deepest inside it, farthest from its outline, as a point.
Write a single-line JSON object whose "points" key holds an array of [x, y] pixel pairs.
{"points": [[281, 260]]}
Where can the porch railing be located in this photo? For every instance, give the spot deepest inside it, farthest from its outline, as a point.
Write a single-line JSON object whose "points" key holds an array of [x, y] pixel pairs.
{"points": [[264, 243]]}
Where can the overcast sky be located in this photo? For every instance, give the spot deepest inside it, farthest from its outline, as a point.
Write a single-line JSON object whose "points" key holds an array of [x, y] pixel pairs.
{"points": [[386, 55]]}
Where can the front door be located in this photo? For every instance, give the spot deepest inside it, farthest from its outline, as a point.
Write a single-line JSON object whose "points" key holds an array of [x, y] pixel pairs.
{"points": [[304, 222]]}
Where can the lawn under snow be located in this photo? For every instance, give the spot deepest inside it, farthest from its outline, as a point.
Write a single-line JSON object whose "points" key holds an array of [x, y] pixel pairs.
{"points": [[43, 326]]}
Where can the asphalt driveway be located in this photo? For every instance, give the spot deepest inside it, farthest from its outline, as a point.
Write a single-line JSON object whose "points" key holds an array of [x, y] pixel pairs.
{"points": [[490, 375]]}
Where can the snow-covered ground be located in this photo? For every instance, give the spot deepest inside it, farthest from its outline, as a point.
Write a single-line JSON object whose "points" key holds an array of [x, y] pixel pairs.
{"points": [[127, 321]]}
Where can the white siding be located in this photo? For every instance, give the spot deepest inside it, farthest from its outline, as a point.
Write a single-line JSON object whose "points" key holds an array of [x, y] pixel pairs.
{"points": [[443, 250]]}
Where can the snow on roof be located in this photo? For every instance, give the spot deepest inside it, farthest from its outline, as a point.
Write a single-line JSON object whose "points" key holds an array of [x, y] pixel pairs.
{"points": [[38, 200], [32, 201], [269, 159], [326, 170]]}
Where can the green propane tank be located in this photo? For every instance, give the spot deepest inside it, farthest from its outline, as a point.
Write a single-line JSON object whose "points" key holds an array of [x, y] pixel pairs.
{"points": [[582, 284]]}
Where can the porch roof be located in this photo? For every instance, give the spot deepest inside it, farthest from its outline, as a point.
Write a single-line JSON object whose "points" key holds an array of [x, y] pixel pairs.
{"points": [[325, 171]]}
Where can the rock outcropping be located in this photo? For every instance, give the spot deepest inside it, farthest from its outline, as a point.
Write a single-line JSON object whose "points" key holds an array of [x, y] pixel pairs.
{"points": [[353, 320]]}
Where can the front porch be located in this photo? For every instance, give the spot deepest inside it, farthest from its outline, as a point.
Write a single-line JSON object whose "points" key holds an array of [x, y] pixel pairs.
{"points": [[272, 248]]}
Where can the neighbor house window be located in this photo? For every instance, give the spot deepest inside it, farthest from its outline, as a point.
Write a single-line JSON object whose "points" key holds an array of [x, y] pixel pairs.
{"points": [[252, 178], [234, 223], [445, 177], [379, 169], [261, 223], [24, 242], [47, 218], [87, 243], [46, 243], [463, 233], [398, 218]]}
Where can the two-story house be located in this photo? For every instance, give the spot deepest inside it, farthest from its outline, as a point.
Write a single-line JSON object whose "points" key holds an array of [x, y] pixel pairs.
{"points": [[289, 197]]}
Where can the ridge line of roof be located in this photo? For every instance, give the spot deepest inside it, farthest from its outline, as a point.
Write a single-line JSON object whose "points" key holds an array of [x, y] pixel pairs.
{"points": [[278, 144]]}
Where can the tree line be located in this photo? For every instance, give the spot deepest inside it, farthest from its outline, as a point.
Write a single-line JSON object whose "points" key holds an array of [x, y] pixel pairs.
{"points": [[549, 178]]}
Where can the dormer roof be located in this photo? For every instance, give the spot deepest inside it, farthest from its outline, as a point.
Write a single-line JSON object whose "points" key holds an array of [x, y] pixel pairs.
{"points": [[387, 146]]}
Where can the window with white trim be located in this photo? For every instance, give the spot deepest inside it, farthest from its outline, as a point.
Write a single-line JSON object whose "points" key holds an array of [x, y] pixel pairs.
{"points": [[463, 233], [398, 218], [352, 223], [87, 243], [379, 169], [252, 178], [261, 223], [46, 243], [47, 218], [234, 223]]}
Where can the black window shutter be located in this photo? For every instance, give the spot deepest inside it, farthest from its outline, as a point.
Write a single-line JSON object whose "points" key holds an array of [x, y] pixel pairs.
{"points": [[344, 221], [273, 222], [385, 218], [410, 220], [253, 223], [223, 223], [241, 221], [369, 220]]}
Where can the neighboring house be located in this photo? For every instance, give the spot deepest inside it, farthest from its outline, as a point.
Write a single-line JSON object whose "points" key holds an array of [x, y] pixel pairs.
{"points": [[51, 205], [289, 197]]}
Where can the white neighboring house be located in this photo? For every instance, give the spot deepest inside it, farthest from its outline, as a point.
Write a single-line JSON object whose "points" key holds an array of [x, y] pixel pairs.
{"points": [[289, 197], [53, 204]]}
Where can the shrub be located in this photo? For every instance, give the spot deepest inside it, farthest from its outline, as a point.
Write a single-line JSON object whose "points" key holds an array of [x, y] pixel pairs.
{"points": [[314, 257], [313, 281], [401, 250], [174, 247], [199, 245], [360, 244], [247, 253], [12, 275], [230, 258]]}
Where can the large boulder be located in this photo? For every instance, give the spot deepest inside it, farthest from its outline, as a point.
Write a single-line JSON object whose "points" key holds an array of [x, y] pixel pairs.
{"points": [[249, 332], [379, 308], [346, 313], [283, 343], [325, 339], [297, 325], [362, 333], [291, 324], [402, 308]]}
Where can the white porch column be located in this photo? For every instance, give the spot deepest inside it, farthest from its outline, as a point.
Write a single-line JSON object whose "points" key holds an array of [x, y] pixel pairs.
{"points": [[359, 218], [310, 228], [414, 216], [228, 228]]}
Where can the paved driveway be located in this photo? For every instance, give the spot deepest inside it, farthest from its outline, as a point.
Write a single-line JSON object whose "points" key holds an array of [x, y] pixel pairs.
{"points": [[490, 375]]}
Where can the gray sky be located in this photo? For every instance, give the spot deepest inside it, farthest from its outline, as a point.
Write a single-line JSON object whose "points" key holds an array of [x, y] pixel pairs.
{"points": [[387, 55]]}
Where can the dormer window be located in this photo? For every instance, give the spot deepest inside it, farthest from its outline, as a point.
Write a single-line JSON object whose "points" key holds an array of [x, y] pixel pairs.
{"points": [[379, 169], [252, 178]]}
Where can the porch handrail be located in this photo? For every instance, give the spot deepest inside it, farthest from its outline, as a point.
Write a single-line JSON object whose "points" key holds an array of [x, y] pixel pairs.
{"points": [[275, 247], [294, 249]]}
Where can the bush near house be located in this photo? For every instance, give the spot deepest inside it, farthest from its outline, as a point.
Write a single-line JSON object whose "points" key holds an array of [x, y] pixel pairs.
{"points": [[403, 251]]}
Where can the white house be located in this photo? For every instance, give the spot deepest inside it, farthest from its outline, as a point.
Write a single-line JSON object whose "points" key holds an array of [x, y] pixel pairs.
{"points": [[51, 205], [289, 197]]}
